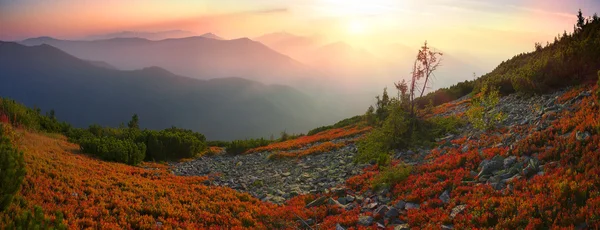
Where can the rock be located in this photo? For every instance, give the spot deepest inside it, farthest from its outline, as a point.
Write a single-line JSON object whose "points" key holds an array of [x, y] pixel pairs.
{"points": [[492, 165], [447, 227], [498, 185], [350, 198], [411, 206], [392, 213], [381, 210], [457, 210], [317, 202], [338, 191], [465, 149], [383, 199], [400, 205], [339, 227], [402, 227], [342, 200], [509, 161], [582, 136], [365, 220], [371, 205], [445, 197], [529, 171]]}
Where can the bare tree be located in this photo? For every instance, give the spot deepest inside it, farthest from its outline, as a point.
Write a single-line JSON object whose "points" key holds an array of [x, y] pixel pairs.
{"points": [[425, 64]]}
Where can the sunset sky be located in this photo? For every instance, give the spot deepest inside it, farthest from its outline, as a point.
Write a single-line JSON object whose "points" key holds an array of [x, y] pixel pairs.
{"points": [[476, 28]]}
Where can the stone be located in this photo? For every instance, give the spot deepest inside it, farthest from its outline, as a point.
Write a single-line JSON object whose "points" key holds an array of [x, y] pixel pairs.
{"points": [[465, 149], [350, 198], [402, 227], [445, 197], [509, 161], [582, 136], [371, 205], [317, 202], [339, 227], [411, 206], [488, 167], [342, 200], [400, 205], [457, 210], [392, 213], [447, 227], [381, 210], [365, 220]]}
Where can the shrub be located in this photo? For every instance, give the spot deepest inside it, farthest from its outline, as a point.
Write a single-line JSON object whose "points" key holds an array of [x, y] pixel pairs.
{"points": [[20, 115], [113, 149], [482, 113], [12, 169], [173, 144], [37, 220], [444, 125], [393, 134], [390, 176]]}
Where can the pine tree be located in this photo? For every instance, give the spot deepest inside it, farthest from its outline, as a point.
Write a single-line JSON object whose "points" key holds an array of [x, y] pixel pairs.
{"points": [[134, 123], [12, 170], [580, 20]]}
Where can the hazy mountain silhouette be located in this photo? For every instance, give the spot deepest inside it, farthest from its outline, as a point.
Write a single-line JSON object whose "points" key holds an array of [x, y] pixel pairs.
{"points": [[297, 47], [212, 36], [101, 64], [83, 93], [197, 57], [147, 35]]}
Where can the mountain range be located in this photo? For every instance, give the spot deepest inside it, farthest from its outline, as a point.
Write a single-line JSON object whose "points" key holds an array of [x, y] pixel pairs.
{"points": [[196, 57], [83, 92]]}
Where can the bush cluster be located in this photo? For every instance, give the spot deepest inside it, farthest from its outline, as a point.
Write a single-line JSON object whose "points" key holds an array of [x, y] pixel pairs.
{"points": [[400, 130], [19, 115], [482, 113], [132, 146], [113, 149], [390, 176]]}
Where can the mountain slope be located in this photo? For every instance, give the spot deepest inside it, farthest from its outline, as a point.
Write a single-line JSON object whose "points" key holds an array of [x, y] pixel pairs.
{"points": [[83, 94], [197, 57]]}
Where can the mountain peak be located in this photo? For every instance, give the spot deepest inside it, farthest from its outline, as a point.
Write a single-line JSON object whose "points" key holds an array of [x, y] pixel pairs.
{"points": [[211, 36]]}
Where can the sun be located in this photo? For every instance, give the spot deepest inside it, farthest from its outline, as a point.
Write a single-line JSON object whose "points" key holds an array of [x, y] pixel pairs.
{"points": [[356, 27]]}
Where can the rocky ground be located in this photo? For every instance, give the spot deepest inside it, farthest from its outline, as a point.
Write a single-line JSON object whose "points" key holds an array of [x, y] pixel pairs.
{"points": [[276, 180], [281, 179]]}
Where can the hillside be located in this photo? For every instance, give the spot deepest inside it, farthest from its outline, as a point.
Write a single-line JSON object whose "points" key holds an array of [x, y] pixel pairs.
{"points": [[537, 171], [197, 57], [84, 94]]}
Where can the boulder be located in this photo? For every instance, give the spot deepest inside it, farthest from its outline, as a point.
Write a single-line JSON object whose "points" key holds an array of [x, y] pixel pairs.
{"points": [[365, 220], [411, 206], [509, 161], [317, 202], [445, 197]]}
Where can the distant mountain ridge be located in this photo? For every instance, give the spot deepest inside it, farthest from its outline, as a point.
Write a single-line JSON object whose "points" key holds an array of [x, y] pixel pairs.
{"points": [[83, 93], [197, 57], [160, 35]]}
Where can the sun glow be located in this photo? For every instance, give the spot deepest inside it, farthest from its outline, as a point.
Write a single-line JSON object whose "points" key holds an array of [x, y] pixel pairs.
{"points": [[356, 27]]}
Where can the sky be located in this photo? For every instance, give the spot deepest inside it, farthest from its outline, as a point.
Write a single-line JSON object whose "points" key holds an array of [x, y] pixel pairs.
{"points": [[488, 31]]}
